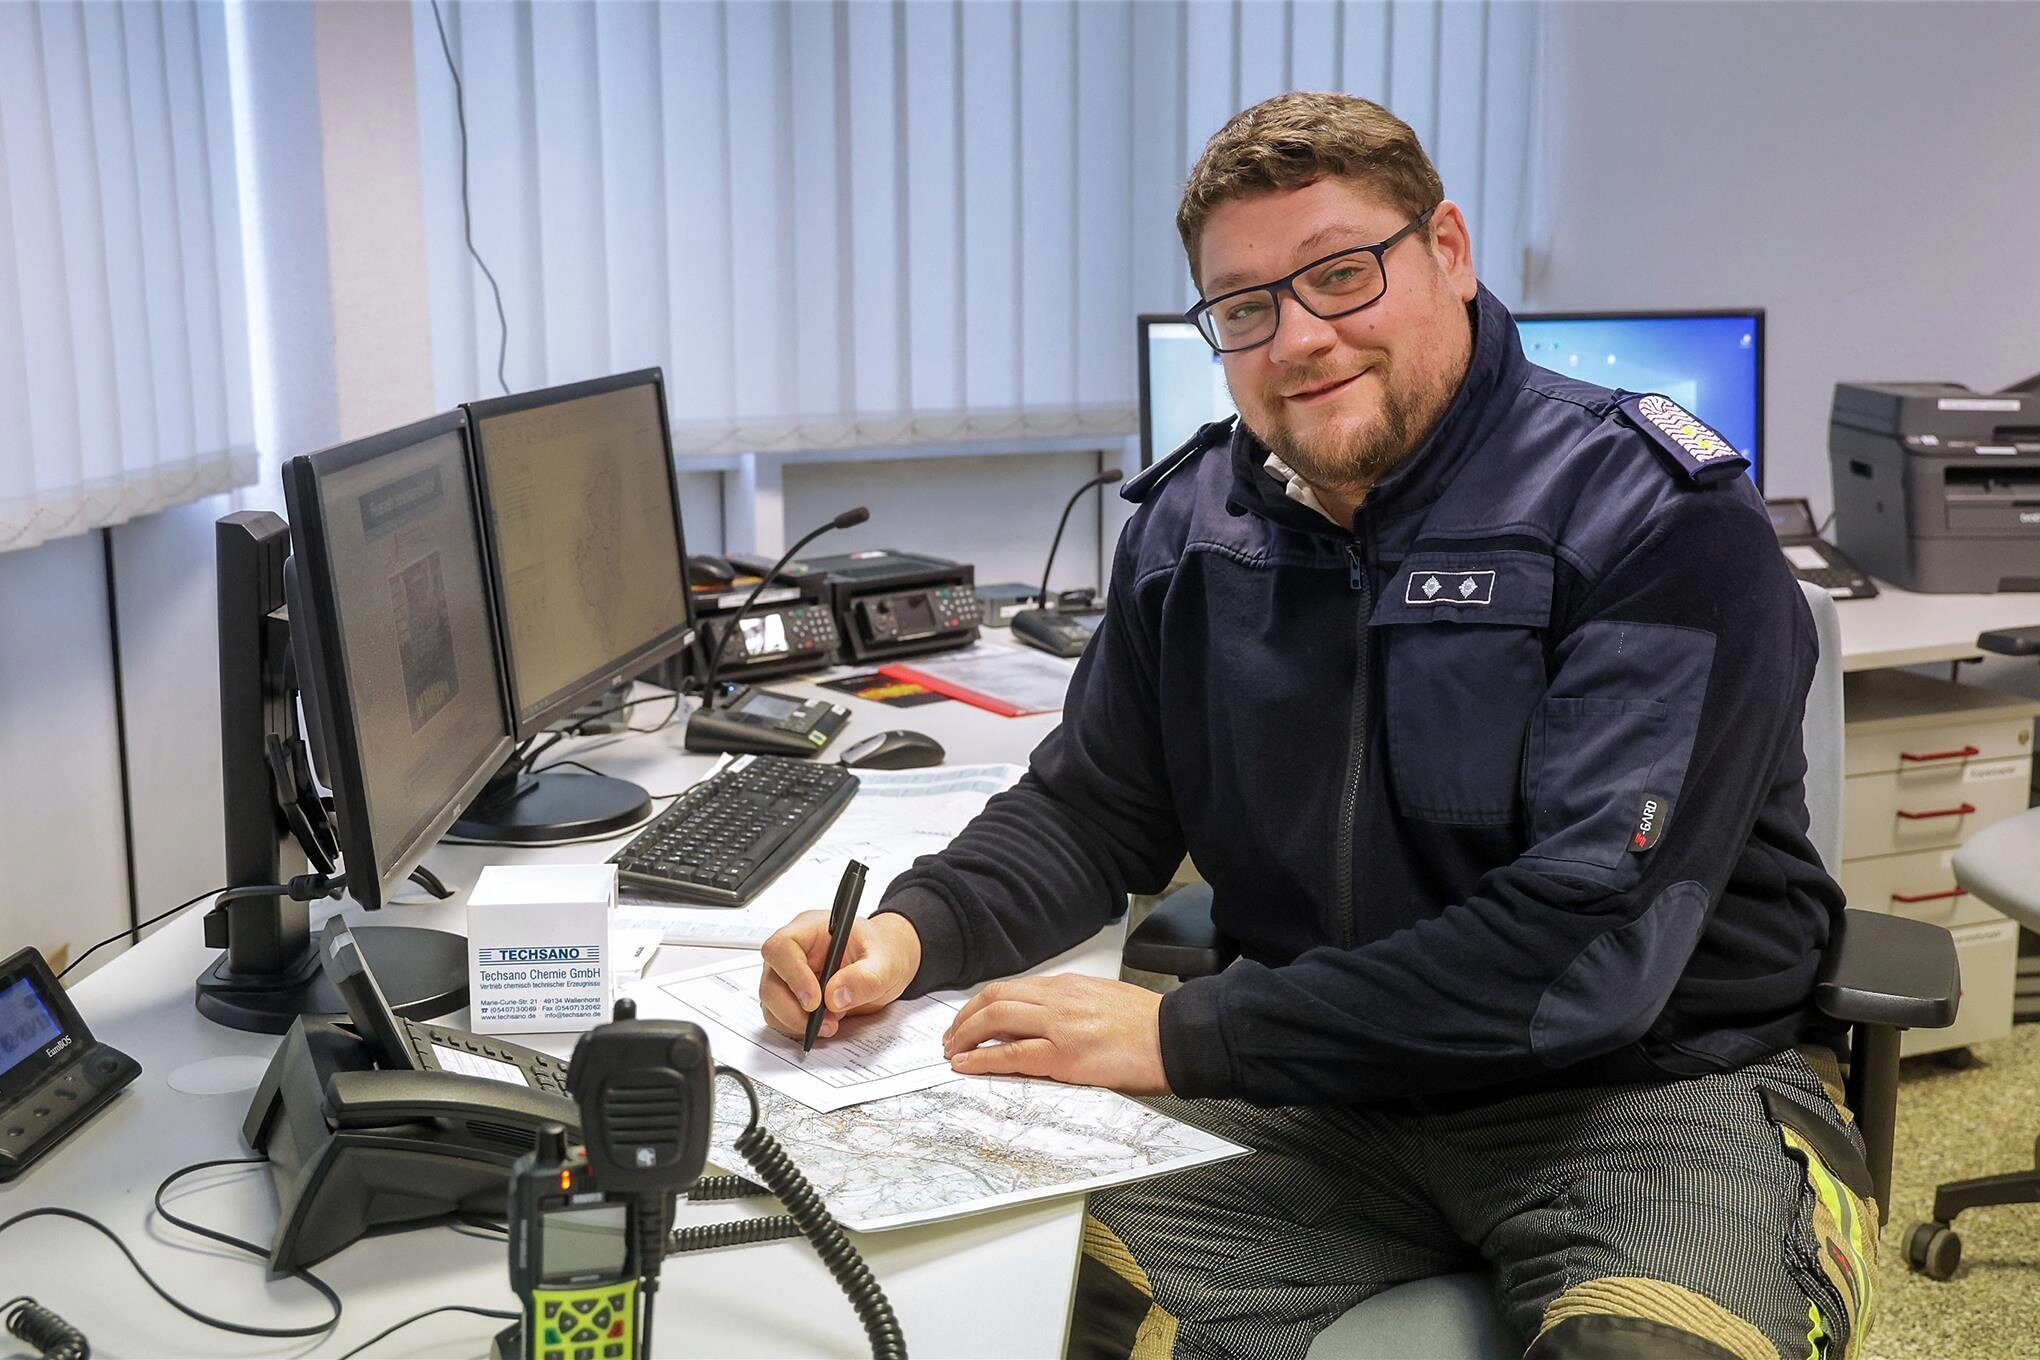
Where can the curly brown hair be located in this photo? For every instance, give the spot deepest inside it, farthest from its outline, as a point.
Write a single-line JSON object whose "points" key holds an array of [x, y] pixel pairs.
{"points": [[1299, 138]]}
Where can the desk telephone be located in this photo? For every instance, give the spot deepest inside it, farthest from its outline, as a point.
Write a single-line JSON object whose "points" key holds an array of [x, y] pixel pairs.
{"points": [[53, 1074], [1812, 558], [380, 1120]]}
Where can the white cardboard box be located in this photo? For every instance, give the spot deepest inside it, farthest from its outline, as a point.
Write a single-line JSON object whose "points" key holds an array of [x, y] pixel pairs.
{"points": [[538, 947]]}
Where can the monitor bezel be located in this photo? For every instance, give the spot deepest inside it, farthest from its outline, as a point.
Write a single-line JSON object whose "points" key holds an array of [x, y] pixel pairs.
{"points": [[322, 643], [1756, 314], [593, 682]]}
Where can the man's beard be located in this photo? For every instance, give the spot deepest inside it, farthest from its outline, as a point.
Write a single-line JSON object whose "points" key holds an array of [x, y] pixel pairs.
{"points": [[1402, 420]]}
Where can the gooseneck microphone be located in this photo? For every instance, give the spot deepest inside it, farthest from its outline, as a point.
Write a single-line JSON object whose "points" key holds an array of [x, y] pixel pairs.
{"points": [[848, 519], [1109, 475], [1061, 632]]}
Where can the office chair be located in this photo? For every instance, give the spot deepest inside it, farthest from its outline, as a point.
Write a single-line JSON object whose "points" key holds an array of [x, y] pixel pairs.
{"points": [[1882, 975], [2001, 865]]}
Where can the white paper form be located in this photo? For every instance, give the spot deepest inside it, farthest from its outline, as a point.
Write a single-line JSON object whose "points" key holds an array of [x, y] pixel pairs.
{"points": [[896, 817], [896, 1051]]}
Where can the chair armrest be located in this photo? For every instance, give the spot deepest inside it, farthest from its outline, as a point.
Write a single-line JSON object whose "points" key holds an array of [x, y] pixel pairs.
{"points": [[2011, 641], [1178, 939], [1888, 970]]}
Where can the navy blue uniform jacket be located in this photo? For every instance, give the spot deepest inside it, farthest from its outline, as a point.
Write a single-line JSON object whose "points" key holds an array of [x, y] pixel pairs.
{"points": [[1501, 789]]}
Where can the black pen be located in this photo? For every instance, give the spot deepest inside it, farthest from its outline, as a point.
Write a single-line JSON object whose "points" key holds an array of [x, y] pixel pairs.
{"points": [[848, 893]]}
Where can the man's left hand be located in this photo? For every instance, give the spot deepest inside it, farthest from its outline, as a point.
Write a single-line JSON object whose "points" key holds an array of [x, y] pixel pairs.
{"points": [[1084, 1030]]}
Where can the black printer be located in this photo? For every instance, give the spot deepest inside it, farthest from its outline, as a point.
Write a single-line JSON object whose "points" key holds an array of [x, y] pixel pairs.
{"points": [[1937, 488]]}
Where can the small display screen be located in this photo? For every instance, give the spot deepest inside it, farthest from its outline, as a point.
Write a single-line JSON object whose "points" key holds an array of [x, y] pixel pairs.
{"points": [[475, 1065], [766, 635], [26, 1024], [583, 1244], [914, 614], [769, 706], [1790, 518]]}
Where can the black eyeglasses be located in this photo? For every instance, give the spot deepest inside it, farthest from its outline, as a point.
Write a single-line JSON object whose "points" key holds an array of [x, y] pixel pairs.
{"points": [[1337, 285]]}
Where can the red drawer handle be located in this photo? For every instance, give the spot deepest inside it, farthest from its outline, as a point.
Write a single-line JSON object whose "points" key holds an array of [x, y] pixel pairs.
{"points": [[1963, 754], [1962, 811], [1930, 897]]}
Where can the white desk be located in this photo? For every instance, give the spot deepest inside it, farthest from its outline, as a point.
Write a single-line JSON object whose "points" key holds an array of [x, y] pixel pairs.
{"points": [[993, 1284], [1900, 628]]}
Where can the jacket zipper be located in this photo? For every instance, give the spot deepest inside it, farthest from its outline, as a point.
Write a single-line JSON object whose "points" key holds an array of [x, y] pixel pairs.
{"points": [[1360, 581]]}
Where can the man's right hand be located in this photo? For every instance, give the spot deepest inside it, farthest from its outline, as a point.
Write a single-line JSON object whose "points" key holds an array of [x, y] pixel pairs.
{"points": [[880, 959]]}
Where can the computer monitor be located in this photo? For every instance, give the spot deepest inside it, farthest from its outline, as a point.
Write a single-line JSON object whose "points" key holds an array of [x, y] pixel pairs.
{"points": [[587, 568], [371, 609], [1182, 385], [398, 657], [1710, 362]]}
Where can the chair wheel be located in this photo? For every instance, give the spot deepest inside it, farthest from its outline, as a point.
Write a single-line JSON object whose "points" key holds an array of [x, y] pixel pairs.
{"points": [[1956, 1059], [1934, 1250]]}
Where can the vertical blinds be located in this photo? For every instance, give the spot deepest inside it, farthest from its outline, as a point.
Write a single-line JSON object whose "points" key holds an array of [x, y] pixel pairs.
{"points": [[124, 364], [853, 225]]}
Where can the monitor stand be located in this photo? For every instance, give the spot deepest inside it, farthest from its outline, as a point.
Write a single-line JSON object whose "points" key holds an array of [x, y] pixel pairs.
{"points": [[423, 972], [269, 974], [552, 807]]}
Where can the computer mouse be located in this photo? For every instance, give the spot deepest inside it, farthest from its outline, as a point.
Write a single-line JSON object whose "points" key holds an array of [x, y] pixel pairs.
{"points": [[709, 571], [895, 750]]}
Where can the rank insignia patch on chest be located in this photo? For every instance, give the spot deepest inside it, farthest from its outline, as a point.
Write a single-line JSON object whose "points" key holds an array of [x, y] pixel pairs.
{"points": [[1687, 442], [1450, 587]]}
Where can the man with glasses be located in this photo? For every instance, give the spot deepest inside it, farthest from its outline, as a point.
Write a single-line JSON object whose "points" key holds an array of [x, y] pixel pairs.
{"points": [[1474, 692]]}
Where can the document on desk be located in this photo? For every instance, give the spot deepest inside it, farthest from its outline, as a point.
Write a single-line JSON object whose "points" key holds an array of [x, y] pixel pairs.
{"points": [[896, 817], [893, 1052], [1007, 679], [968, 1146]]}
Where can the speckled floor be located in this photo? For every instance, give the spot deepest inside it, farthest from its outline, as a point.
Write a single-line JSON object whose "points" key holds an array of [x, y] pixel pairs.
{"points": [[1953, 1125]]}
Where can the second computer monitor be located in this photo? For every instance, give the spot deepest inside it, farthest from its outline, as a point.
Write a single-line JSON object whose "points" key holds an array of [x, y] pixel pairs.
{"points": [[582, 506], [1182, 385], [1711, 363]]}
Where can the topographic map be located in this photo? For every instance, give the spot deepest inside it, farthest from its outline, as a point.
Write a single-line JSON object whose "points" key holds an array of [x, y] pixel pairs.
{"points": [[976, 1144]]}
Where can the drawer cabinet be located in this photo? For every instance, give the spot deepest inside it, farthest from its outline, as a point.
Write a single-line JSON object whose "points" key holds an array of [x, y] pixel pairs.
{"points": [[1926, 809], [1920, 885], [1928, 764]]}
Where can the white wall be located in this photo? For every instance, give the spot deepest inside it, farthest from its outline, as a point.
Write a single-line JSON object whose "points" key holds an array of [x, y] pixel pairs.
{"points": [[997, 512], [63, 874], [1867, 173]]}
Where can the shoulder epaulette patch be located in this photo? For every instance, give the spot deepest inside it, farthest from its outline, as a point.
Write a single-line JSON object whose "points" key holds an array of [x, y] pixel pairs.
{"points": [[1687, 443], [1139, 487]]}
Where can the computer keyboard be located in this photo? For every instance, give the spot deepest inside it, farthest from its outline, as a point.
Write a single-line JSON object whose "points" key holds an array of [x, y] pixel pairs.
{"points": [[724, 839]]}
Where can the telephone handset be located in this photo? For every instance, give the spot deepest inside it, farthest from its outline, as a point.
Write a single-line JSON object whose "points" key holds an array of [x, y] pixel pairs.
{"points": [[400, 1046], [377, 1121]]}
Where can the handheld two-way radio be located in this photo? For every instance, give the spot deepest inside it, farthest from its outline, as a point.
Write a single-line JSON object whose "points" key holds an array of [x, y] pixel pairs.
{"points": [[588, 1224], [573, 1260]]}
